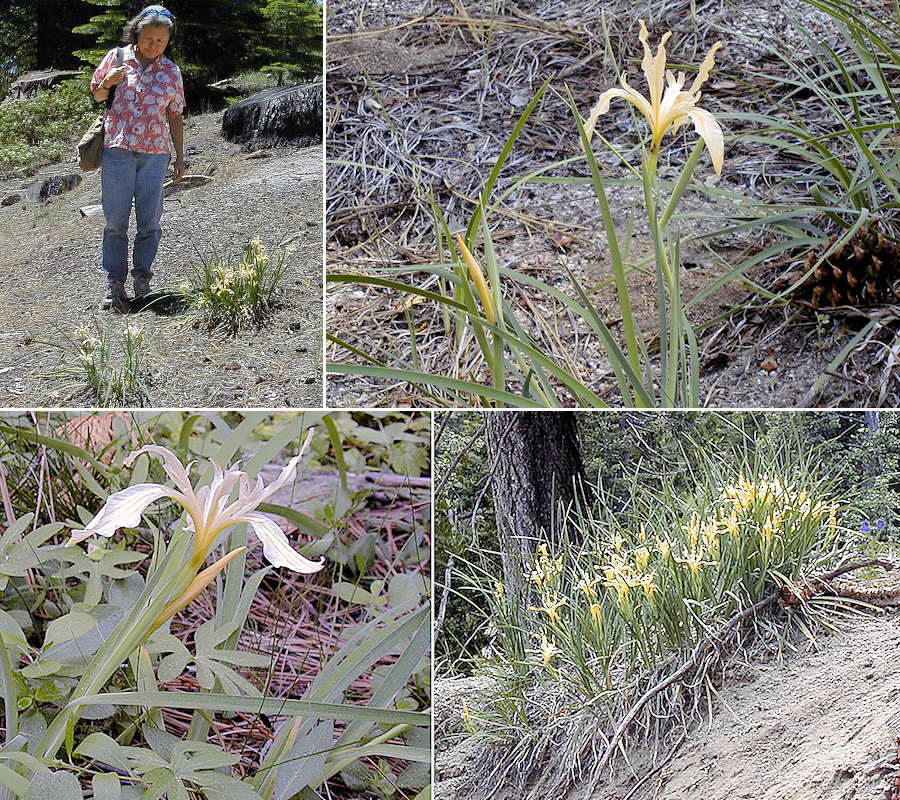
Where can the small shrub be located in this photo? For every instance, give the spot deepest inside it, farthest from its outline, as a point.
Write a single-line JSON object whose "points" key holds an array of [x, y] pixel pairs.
{"points": [[114, 379], [237, 295], [46, 128]]}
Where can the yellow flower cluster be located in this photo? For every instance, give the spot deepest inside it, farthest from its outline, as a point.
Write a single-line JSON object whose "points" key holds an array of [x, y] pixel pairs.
{"points": [[623, 575], [777, 498], [545, 568]]}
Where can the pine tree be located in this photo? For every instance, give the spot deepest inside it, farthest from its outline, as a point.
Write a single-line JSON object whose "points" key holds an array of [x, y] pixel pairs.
{"points": [[293, 38]]}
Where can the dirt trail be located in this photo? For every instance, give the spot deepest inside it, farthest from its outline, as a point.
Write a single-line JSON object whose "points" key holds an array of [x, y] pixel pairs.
{"points": [[51, 281], [820, 726]]}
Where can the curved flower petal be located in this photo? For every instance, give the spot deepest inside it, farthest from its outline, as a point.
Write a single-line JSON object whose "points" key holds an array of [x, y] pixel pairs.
{"points": [[654, 66], [123, 509], [171, 464], [276, 547], [711, 133], [289, 470], [704, 70], [602, 105]]}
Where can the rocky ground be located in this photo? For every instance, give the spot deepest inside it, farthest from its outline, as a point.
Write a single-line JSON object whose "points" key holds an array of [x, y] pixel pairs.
{"points": [[51, 281]]}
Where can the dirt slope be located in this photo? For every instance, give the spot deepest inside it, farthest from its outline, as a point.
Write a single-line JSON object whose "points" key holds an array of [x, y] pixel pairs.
{"points": [[820, 726], [51, 281]]}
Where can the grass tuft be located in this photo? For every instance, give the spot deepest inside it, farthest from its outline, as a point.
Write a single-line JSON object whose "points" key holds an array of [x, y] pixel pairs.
{"points": [[113, 374]]}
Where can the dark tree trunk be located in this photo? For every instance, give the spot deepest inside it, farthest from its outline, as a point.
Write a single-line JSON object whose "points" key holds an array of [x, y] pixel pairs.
{"points": [[536, 468], [48, 55], [286, 115]]}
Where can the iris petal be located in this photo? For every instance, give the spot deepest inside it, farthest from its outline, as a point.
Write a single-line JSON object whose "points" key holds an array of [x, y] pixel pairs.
{"points": [[711, 133], [123, 509], [276, 547]]}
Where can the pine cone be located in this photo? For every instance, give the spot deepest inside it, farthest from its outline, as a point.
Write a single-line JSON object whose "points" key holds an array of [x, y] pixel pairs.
{"points": [[864, 272]]}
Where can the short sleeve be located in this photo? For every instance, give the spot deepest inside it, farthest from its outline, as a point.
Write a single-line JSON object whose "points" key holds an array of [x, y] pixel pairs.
{"points": [[177, 102], [107, 65]]}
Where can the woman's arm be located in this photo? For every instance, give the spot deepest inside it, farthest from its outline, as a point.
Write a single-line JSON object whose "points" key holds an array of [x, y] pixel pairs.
{"points": [[176, 128], [100, 86]]}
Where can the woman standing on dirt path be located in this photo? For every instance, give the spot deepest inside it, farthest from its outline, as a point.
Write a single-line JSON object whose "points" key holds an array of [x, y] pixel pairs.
{"points": [[149, 96]]}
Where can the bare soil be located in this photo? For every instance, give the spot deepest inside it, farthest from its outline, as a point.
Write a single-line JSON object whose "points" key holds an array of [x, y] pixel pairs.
{"points": [[51, 282], [426, 93], [822, 725]]}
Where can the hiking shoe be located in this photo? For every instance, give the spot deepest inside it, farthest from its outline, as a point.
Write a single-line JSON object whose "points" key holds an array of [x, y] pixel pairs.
{"points": [[116, 299], [141, 287]]}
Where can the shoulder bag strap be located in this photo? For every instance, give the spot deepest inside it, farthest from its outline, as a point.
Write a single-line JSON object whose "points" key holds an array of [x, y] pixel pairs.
{"points": [[120, 57]]}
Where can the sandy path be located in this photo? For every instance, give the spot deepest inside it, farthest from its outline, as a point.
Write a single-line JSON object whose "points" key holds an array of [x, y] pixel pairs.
{"points": [[812, 729]]}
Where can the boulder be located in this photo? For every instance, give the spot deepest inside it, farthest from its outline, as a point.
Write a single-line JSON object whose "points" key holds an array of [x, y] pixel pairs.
{"points": [[48, 188], [284, 115]]}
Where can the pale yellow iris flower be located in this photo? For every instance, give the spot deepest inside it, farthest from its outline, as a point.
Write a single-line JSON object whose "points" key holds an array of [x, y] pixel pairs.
{"points": [[668, 105], [208, 508]]}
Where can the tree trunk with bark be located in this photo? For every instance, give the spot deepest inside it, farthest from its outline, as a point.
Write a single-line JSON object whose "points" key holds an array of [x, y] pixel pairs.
{"points": [[535, 469]]}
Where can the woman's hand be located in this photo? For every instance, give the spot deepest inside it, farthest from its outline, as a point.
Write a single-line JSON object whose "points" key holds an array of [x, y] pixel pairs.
{"points": [[178, 166], [113, 78]]}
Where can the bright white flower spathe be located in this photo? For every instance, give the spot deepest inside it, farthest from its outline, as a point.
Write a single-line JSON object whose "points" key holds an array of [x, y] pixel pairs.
{"points": [[207, 507]]}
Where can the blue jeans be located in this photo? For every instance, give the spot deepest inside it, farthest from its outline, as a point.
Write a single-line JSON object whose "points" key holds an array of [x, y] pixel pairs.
{"points": [[127, 175]]}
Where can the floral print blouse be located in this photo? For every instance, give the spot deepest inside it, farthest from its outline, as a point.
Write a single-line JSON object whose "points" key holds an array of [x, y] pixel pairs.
{"points": [[138, 118]]}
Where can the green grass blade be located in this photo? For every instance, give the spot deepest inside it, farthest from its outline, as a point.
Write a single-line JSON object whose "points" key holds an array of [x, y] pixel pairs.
{"points": [[271, 706]]}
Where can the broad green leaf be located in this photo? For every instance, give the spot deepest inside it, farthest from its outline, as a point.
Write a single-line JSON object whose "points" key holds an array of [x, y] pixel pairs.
{"points": [[105, 749], [15, 532], [13, 781], [415, 776], [189, 757], [163, 783], [56, 785], [67, 627], [223, 787], [41, 669], [162, 742], [407, 458], [406, 589], [356, 594], [304, 763], [106, 786]]}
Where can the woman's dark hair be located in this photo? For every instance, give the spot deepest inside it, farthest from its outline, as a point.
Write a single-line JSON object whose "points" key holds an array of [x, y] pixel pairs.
{"points": [[152, 15]]}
